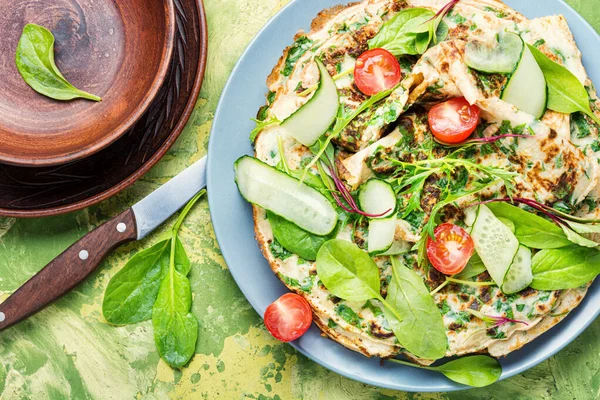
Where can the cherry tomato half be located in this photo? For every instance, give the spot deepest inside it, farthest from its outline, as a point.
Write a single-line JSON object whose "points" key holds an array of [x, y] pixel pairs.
{"points": [[454, 120], [376, 70], [451, 250], [288, 317]]}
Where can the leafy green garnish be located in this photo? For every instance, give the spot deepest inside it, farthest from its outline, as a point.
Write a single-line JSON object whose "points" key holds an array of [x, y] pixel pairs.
{"points": [[476, 371], [349, 273], [154, 284], [421, 331], [260, 125], [296, 239], [565, 268], [411, 31], [565, 93], [35, 62], [531, 230]]}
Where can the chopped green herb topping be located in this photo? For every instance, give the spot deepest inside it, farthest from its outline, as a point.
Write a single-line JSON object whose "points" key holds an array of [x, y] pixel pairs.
{"points": [[348, 314], [300, 46]]}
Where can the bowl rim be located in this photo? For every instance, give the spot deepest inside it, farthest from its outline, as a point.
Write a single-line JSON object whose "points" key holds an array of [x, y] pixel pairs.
{"points": [[85, 151], [151, 161]]}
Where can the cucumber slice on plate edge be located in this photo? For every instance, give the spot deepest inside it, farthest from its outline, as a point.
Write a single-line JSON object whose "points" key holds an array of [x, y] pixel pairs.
{"points": [[285, 196], [315, 117]]}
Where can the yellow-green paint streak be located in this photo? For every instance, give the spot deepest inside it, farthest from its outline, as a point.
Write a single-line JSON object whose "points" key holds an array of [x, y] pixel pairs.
{"points": [[68, 351]]}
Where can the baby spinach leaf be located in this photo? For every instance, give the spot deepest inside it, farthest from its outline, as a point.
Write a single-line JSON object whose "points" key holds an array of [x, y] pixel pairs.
{"points": [[531, 230], [350, 273], [175, 327], [347, 271], [584, 228], [576, 238], [154, 284], [476, 371], [474, 267], [399, 34], [295, 239], [566, 94], [421, 330], [131, 293], [35, 62], [564, 268]]}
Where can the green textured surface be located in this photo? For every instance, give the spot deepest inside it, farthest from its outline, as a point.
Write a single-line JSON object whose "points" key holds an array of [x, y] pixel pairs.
{"points": [[67, 351]]}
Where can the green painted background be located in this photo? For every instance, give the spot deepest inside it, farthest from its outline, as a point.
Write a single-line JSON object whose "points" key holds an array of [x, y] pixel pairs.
{"points": [[67, 351]]}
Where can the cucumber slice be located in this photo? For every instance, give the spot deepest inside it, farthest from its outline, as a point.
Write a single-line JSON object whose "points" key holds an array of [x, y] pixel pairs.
{"points": [[519, 275], [285, 196], [376, 197], [501, 56], [526, 88], [381, 234], [398, 247], [508, 223], [494, 242], [315, 117]]}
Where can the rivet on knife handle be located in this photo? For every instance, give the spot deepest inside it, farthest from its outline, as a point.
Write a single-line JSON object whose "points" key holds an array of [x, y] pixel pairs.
{"points": [[67, 270]]}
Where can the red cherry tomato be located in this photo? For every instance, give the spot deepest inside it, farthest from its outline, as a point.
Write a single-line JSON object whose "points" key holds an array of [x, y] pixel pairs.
{"points": [[451, 250], [288, 317], [376, 70], [454, 120]]}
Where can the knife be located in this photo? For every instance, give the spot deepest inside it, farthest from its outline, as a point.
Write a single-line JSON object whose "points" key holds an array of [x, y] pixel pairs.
{"points": [[76, 263]]}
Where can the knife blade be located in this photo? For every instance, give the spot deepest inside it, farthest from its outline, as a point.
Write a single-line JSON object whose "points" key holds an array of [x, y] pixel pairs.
{"points": [[76, 263]]}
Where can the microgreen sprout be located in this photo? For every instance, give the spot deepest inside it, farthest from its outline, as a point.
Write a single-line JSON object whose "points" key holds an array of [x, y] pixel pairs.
{"points": [[495, 321], [483, 140]]}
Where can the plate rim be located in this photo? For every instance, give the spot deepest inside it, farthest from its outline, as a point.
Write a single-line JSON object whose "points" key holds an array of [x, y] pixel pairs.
{"points": [[152, 160], [451, 386]]}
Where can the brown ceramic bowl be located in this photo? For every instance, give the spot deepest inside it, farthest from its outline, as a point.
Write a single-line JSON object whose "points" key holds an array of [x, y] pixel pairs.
{"points": [[118, 50]]}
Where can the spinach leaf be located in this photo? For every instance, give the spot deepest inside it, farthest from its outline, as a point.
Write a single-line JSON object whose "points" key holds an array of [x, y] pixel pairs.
{"points": [[564, 268], [35, 62], [476, 371], [175, 327], [399, 34], [131, 293], [154, 284], [347, 271], [565, 93], [576, 238], [421, 330], [474, 267], [531, 230], [350, 273], [295, 239]]}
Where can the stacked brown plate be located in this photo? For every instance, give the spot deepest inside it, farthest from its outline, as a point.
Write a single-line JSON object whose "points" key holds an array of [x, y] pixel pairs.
{"points": [[145, 58]]}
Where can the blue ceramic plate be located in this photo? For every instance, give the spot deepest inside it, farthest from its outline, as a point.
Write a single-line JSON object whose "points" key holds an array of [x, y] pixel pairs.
{"points": [[232, 216]]}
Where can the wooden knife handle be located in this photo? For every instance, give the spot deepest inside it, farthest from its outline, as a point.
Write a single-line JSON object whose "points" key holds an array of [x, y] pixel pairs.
{"points": [[67, 270]]}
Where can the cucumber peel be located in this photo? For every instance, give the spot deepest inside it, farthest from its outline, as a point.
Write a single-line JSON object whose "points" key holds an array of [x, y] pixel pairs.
{"points": [[501, 56], [316, 116], [275, 191]]}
